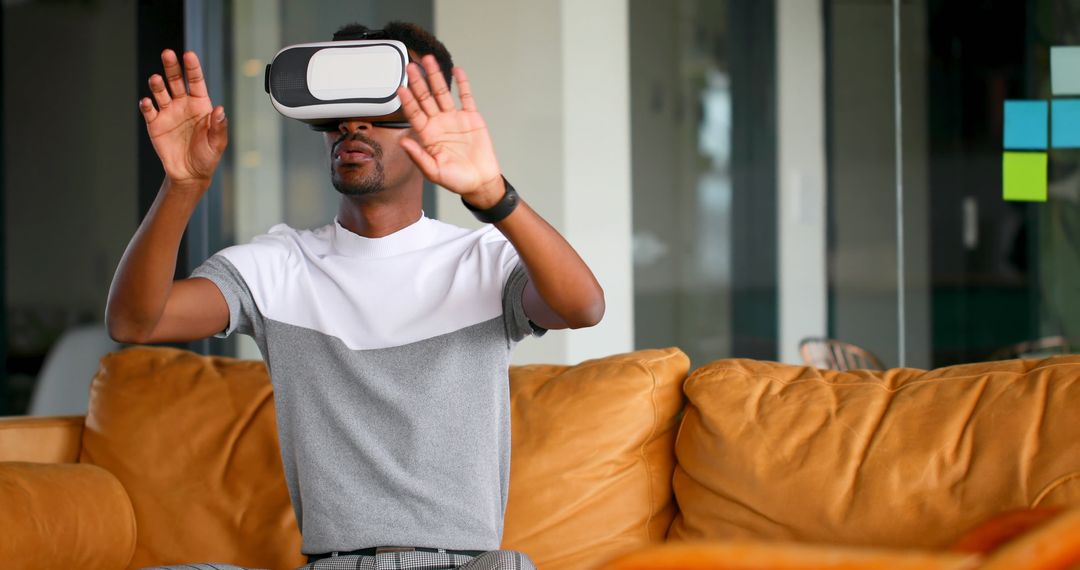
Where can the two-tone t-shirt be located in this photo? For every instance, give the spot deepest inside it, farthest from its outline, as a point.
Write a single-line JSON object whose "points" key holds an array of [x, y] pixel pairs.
{"points": [[389, 361]]}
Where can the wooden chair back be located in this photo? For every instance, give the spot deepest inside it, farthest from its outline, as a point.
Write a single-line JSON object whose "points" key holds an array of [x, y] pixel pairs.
{"points": [[835, 354], [1046, 346]]}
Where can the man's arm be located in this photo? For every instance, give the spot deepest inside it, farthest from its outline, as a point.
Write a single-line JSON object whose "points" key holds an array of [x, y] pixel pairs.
{"points": [[562, 291], [453, 149], [189, 135]]}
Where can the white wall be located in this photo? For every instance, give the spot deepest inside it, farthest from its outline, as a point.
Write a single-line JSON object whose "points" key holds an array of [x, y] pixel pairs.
{"points": [[553, 86], [800, 136]]}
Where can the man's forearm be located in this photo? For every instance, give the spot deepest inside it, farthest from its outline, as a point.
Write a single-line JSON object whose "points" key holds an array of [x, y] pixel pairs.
{"points": [[561, 278], [562, 291], [144, 277]]}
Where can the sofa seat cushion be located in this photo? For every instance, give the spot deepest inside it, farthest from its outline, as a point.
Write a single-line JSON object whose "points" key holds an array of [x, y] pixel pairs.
{"points": [[901, 458], [749, 555], [593, 455], [63, 516], [193, 440]]}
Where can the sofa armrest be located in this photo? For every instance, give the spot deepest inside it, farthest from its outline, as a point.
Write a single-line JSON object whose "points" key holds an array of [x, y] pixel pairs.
{"points": [[54, 439], [64, 516]]}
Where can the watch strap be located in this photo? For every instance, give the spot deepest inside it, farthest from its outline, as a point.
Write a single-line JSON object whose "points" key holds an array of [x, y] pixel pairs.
{"points": [[500, 210]]}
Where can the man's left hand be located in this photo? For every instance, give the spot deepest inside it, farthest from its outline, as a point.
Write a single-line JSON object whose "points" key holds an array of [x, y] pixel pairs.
{"points": [[451, 146]]}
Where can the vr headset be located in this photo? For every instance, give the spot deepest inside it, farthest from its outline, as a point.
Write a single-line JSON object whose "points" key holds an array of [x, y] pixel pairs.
{"points": [[322, 83]]}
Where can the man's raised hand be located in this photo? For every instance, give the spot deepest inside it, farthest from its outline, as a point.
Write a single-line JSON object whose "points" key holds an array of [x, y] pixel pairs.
{"points": [[451, 146], [188, 133]]}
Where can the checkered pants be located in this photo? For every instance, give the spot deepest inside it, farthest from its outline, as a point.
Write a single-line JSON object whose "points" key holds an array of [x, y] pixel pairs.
{"points": [[494, 560]]}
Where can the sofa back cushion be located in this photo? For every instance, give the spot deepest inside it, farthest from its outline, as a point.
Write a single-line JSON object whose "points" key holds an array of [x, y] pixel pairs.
{"points": [[593, 455], [904, 458], [193, 440]]}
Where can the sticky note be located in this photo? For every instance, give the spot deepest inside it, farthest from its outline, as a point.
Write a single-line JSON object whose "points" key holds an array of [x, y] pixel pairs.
{"points": [[1065, 70], [1024, 176], [1026, 125], [1065, 123]]}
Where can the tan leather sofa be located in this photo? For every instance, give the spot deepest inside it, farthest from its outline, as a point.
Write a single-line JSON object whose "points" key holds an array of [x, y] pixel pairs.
{"points": [[177, 461]]}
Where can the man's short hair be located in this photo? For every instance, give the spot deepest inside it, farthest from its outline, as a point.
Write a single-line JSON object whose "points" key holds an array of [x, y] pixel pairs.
{"points": [[413, 36]]}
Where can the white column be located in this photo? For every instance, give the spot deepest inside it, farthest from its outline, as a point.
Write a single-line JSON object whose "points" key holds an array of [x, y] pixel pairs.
{"points": [[554, 89], [800, 95]]}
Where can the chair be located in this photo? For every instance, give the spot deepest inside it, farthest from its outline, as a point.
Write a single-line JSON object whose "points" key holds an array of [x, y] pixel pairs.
{"points": [[1038, 348], [837, 355]]}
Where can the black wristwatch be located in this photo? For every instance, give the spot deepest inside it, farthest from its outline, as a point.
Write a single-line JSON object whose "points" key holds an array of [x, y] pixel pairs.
{"points": [[500, 210]]}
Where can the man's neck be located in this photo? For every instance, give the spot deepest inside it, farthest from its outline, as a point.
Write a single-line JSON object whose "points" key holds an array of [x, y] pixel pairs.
{"points": [[370, 217]]}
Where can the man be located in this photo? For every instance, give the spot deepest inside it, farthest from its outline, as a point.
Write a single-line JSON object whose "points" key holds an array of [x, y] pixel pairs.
{"points": [[387, 334]]}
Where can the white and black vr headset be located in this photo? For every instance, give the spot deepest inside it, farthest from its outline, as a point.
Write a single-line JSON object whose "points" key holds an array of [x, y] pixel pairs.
{"points": [[323, 83]]}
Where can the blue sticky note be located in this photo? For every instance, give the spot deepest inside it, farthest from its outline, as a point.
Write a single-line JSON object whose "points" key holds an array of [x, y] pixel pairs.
{"points": [[1065, 70], [1065, 123], [1026, 125]]}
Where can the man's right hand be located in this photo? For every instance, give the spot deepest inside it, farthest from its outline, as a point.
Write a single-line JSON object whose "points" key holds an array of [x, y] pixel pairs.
{"points": [[189, 136], [188, 133]]}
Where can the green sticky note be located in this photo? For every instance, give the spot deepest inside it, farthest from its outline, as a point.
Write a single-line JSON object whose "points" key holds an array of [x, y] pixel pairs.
{"points": [[1024, 176]]}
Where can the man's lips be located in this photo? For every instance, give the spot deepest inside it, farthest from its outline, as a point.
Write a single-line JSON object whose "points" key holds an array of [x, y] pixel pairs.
{"points": [[353, 152]]}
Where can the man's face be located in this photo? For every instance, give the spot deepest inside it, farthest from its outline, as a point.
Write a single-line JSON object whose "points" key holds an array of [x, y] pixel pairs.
{"points": [[366, 158]]}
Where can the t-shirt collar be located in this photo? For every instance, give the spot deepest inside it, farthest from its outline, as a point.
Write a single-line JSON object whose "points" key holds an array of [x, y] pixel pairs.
{"points": [[410, 238]]}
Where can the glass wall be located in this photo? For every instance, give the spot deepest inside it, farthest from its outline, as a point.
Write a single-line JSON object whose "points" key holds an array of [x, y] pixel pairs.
{"points": [[70, 167], [702, 175], [927, 263], [981, 272], [861, 135], [68, 173], [1001, 271], [954, 275]]}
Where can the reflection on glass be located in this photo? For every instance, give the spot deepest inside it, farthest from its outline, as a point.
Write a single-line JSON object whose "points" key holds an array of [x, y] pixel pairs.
{"points": [[681, 149], [1058, 239]]}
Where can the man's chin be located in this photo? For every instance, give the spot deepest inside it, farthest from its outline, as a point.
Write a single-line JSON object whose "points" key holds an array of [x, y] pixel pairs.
{"points": [[356, 187], [352, 190]]}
